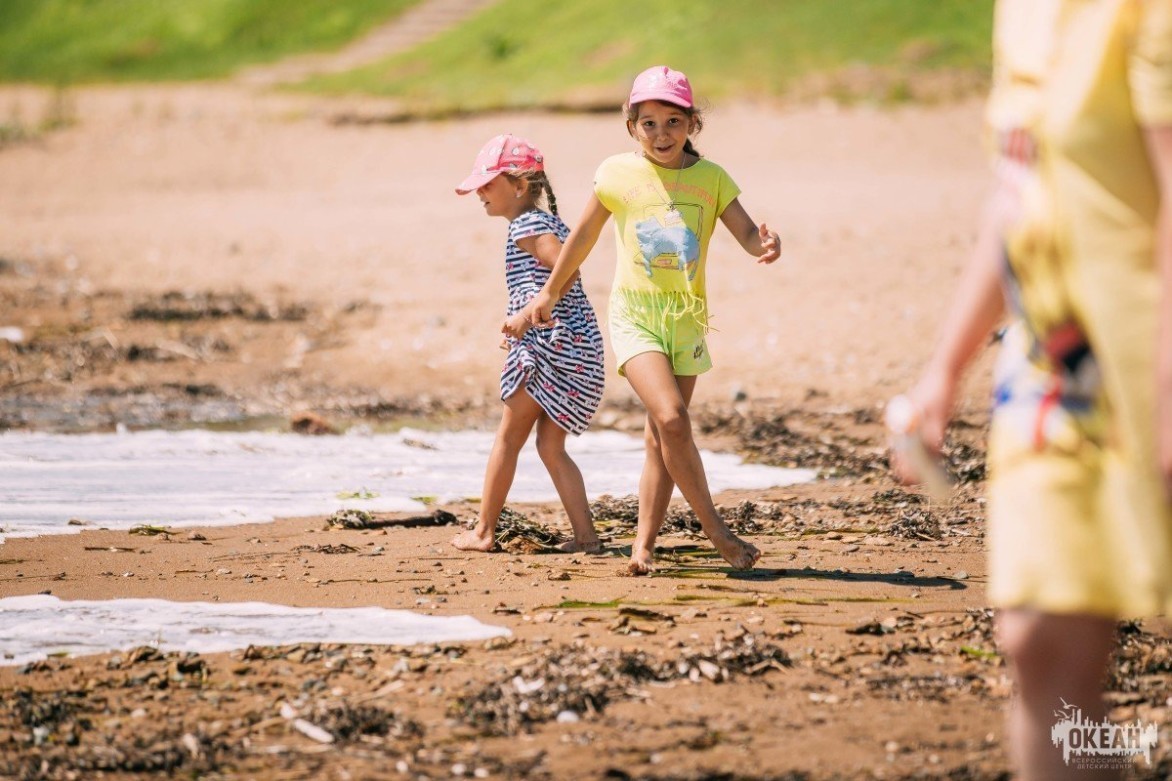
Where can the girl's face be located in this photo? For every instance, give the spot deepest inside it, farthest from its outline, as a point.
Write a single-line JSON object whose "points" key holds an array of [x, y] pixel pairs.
{"points": [[502, 197], [662, 130]]}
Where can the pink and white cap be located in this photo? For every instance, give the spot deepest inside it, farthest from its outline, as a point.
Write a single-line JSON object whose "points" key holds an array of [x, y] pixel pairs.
{"points": [[503, 154], [661, 83]]}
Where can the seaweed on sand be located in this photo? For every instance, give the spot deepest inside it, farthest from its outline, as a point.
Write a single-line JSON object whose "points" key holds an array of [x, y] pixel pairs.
{"points": [[517, 533], [577, 681], [614, 514]]}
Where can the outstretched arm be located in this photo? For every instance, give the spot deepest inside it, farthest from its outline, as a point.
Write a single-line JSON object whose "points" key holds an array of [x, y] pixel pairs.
{"points": [[578, 245], [1159, 142], [758, 240], [976, 308]]}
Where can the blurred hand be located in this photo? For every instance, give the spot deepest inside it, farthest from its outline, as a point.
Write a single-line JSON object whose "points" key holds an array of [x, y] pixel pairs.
{"points": [[932, 398]]}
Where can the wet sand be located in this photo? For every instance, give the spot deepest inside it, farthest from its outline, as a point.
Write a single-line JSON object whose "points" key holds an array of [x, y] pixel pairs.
{"points": [[206, 255]]}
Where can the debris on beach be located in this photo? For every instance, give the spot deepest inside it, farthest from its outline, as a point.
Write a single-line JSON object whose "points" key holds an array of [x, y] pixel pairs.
{"points": [[517, 533], [199, 305], [583, 681], [341, 721], [965, 462], [795, 438], [916, 524], [1142, 666], [311, 424], [351, 519], [912, 516], [623, 509], [839, 443], [617, 514], [361, 519], [146, 530], [327, 549]]}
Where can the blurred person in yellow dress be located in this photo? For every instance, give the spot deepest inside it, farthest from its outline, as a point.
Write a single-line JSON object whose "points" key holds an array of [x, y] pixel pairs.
{"points": [[1075, 244]]}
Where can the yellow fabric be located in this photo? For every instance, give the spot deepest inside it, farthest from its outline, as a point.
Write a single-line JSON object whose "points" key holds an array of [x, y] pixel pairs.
{"points": [[664, 219], [659, 322], [1078, 519]]}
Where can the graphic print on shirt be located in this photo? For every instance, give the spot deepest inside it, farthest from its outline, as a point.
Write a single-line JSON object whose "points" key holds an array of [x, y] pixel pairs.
{"points": [[665, 239]]}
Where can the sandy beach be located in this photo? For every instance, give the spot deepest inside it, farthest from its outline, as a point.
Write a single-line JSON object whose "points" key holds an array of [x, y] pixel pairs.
{"points": [[211, 255]]}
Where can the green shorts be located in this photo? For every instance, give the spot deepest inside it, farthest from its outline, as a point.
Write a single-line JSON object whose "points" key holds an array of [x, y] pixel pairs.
{"points": [[668, 323]]}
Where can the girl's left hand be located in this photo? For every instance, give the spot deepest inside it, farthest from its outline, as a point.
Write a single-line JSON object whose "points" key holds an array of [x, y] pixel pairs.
{"points": [[770, 245]]}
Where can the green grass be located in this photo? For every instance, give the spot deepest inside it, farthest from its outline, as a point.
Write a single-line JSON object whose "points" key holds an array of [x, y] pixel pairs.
{"points": [[529, 53], [517, 53], [75, 41]]}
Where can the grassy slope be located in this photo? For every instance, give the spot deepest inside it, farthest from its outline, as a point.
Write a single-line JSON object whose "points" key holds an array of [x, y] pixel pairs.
{"points": [[67, 41], [533, 52]]}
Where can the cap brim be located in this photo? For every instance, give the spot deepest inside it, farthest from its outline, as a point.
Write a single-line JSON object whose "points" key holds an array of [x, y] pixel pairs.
{"points": [[665, 97], [475, 181]]}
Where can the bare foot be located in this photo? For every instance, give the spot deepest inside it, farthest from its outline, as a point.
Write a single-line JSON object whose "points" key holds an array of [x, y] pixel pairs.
{"points": [[738, 553], [575, 545], [642, 561], [475, 539]]}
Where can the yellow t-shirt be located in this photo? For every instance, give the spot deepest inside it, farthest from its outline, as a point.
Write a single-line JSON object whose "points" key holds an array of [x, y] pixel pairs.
{"points": [[664, 219]]}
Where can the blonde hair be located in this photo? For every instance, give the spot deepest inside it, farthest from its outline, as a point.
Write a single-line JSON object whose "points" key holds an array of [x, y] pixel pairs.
{"points": [[538, 185]]}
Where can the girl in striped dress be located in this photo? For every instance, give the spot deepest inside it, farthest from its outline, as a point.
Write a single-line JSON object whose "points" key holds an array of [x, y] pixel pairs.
{"points": [[553, 377]]}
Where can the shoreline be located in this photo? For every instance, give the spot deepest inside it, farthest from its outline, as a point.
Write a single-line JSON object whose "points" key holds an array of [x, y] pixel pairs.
{"points": [[865, 617], [156, 480]]}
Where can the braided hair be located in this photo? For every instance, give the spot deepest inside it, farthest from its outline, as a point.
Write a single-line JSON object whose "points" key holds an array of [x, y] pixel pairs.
{"points": [[538, 186]]}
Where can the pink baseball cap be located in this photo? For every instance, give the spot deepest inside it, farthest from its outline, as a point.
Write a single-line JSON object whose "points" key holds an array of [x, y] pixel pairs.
{"points": [[503, 154], [661, 83]]}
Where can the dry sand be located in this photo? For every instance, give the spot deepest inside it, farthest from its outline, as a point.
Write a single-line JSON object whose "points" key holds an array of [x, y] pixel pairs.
{"points": [[205, 253]]}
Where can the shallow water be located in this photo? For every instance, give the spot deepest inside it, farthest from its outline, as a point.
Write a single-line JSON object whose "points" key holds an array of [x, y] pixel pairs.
{"points": [[200, 477], [34, 627]]}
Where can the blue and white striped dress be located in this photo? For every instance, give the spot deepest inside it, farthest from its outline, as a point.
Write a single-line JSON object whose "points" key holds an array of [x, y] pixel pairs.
{"points": [[560, 366]]}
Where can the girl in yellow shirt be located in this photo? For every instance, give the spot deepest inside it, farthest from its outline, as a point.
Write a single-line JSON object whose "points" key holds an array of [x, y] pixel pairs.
{"points": [[666, 200]]}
